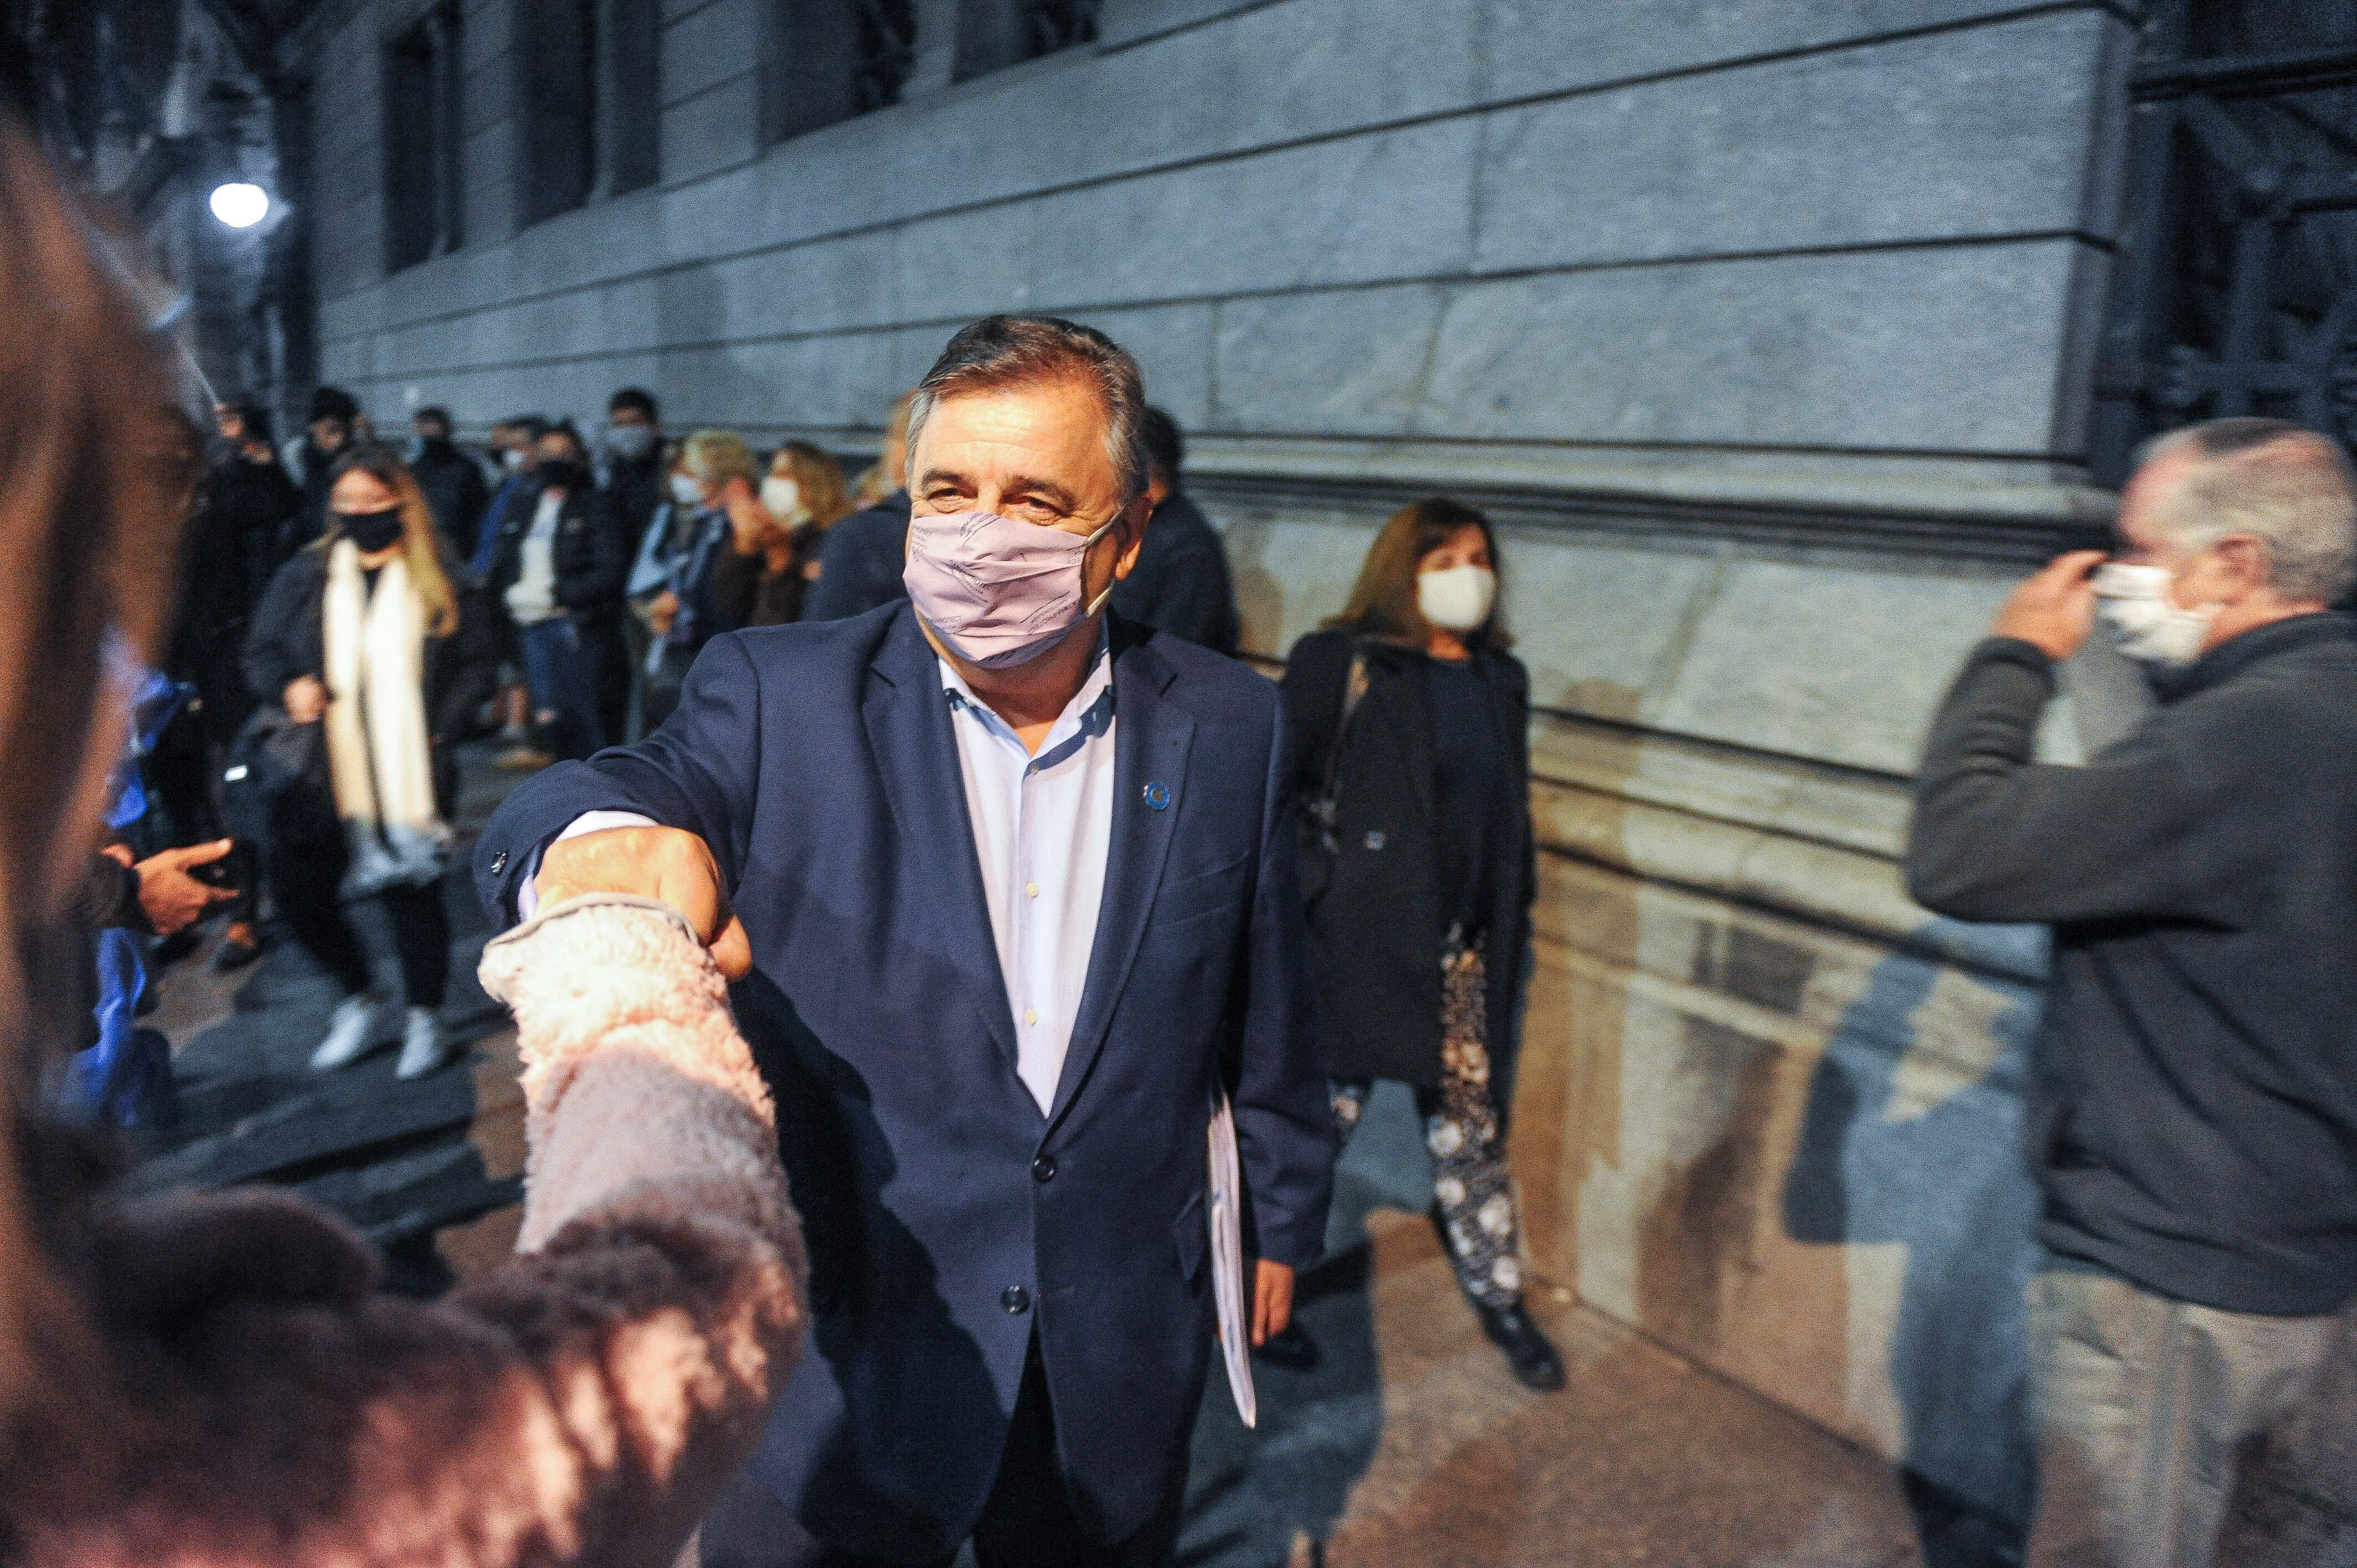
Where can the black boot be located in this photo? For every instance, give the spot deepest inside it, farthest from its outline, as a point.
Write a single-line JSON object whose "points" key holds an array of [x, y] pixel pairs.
{"points": [[1536, 1363]]}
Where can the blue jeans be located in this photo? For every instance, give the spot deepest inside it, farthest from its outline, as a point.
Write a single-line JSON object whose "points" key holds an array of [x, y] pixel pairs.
{"points": [[557, 673]]}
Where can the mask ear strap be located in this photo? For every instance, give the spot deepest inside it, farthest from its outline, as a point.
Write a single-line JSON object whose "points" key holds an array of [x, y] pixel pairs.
{"points": [[1099, 602]]}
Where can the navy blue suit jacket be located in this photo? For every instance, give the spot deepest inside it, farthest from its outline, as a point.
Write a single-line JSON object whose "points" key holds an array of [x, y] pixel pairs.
{"points": [[947, 1218]]}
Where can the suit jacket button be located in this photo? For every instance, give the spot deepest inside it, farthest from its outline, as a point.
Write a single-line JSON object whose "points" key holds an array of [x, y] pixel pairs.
{"points": [[1043, 1169], [499, 863], [1015, 1300]]}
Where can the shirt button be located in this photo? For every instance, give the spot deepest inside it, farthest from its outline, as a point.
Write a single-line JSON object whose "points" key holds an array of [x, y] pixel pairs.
{"points": [[1015, 1300], [1030, 890], [1030, 1016], [1043, 1169]]}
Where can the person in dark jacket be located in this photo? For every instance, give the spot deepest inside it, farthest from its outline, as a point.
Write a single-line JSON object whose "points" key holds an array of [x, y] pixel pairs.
{"points": [[452, 480], [248, 505], [630, 476], [235, 522], [860, 562], [632, 473], [2193, 1112], [514, 447], [515, 451], [333, 645], [1411, 760], [560, 570], [310, 459], [1182, 584]]}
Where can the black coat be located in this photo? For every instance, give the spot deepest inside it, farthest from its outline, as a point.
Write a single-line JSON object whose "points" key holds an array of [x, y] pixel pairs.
{"points": [[234, 541], [454, 487], [311, 470], [860, 562], [633, 490], [287, 640], [592, 554], [1377, 917], [1180, 583]]}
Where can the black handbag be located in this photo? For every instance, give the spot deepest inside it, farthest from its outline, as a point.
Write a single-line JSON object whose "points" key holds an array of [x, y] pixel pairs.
{"points": [[276, 788], [1321, 814]]}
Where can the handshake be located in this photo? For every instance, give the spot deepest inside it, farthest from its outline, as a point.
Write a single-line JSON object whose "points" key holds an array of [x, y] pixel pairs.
{"points": [[667, 863]]}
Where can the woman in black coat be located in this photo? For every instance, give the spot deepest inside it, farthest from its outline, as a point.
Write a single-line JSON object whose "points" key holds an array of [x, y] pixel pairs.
{"points": [[384, 701], [1410, 725]]}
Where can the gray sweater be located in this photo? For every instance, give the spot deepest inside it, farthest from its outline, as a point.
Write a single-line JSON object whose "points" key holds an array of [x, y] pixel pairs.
{"points": [[2193, 1115]]}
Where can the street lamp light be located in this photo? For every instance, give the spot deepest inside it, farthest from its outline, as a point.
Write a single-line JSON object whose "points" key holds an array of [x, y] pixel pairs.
{"points": [[241, 205]]}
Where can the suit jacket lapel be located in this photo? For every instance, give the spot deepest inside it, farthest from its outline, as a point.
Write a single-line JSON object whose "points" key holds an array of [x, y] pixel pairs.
{"points": [[1152, 739], [909, 726]]}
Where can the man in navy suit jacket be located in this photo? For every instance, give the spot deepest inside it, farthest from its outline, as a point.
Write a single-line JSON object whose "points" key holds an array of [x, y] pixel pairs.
{"points": [[906, 849]]}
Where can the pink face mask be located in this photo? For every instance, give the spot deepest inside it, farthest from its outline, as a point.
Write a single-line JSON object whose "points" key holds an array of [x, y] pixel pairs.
{"points": [[998, 590]]}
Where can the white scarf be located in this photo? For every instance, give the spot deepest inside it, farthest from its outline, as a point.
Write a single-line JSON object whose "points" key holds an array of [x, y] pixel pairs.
{"points": [[378, 758]]}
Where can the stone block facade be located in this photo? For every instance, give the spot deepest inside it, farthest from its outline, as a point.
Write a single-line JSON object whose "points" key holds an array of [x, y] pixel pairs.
{"points": [[1762, 326]]}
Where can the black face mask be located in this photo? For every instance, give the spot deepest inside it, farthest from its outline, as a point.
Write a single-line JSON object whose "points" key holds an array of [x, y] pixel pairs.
{"points": [[564, 474], [370, 531]]}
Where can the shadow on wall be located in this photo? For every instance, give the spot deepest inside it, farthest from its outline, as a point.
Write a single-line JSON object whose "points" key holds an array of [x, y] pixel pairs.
{"points": [[1898, 1148]]}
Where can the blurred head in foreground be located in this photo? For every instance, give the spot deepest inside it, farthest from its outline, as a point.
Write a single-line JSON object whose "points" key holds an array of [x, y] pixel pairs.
{"points": [[87, 542]]}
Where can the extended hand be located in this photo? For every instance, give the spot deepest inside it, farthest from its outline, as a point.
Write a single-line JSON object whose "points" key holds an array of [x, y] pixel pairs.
{"points": [[305, 699], [1272, 1301], [170, 897], [661, 611], [655, 863], [2056, 609]]}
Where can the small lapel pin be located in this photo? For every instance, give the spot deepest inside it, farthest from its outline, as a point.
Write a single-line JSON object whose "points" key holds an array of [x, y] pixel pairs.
{"points": [[1157, 797]]}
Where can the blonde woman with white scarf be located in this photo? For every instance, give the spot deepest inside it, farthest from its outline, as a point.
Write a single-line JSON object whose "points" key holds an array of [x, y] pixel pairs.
{"points": [[358, 634]]}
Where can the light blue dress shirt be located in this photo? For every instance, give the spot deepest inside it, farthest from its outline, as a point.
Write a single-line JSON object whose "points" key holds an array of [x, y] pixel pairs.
{"points": [[1043, 831]]}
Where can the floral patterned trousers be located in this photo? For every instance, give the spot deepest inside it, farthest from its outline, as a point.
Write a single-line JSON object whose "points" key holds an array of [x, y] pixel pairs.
{"points": [[1470, 1182]]}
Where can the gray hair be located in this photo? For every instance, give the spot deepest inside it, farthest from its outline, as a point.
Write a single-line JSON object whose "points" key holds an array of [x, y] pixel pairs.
{"points": [[1011, 350], [2288, 487]]}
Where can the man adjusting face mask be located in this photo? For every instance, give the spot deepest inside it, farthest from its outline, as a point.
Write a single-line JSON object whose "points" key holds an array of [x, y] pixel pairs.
{"points": [[997, 590], [2140, 604]]}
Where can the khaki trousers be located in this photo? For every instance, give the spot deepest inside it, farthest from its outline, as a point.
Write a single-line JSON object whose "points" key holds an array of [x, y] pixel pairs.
{"points": [[2142, 1405]]}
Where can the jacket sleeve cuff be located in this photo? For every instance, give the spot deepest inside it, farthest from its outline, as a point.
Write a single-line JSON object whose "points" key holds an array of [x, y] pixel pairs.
{"points": [[2016, 652], [527, 897]]}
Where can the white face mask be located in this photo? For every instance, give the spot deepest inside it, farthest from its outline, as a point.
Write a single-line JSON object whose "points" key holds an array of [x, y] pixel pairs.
{"points": [[2150, 628], [685, 490], [1457, 598], [511, 460], [783, 499]]}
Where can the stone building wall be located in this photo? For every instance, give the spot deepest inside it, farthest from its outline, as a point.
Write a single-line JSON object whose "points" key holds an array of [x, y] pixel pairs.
{"points": [[1762, 326]]}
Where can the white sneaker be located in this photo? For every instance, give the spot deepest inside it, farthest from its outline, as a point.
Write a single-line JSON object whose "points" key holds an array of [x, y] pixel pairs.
{"points": [[348, 1035], [423, 1049]]}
